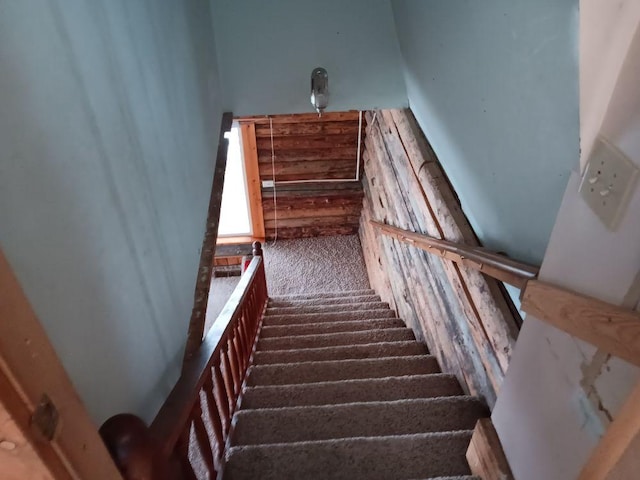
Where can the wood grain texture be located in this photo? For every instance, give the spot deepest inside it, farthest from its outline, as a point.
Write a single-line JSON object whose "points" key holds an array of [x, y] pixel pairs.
{"points": [[308, 148], [207, 253], [460, 313], [612, 329], [250, 155], [29, 368], [616, 455], [485, 454], [302, 118], [500, 267]]}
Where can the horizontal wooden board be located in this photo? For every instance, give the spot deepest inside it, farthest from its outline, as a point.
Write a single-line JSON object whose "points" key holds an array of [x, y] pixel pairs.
{"points": [[312, 221], [351, 115], [301, 129], [306, 232], [291, 171], [285, 202], [612, 329], [313, 213], [306, 142], [330, 152]]}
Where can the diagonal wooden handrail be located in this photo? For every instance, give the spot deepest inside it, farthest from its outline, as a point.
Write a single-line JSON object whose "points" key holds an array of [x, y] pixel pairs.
{"points": [[207, 253], [216, 371], [611, 328], [493, 264]]}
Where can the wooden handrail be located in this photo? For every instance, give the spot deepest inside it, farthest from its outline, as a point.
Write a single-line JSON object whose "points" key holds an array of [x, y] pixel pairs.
{"points": [[493, 264], [612, 329], [216, 369]]}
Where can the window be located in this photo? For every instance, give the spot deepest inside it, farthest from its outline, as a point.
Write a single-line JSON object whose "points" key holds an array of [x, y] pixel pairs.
{"points": [[235, 217]]}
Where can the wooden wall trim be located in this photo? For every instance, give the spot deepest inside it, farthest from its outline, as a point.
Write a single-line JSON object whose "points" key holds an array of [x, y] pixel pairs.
{"points": [[616, 456], [207, 253], [31, 371], [252, 173], [614, 330], [485, 454]]}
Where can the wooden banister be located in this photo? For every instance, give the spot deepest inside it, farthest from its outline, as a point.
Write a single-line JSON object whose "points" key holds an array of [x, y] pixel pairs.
{"points": [[613, 329], [493, 264], [217, 370]]}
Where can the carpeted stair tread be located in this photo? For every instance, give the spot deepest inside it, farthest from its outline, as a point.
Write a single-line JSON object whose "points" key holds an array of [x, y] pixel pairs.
{"points": [[296, 318], [324, 301], [335, 339], [270, 331], [351, 391], [343, 352], [327, 308], [312, 296], [362, 419], [402, 457], [333, 370], [457, 477]]}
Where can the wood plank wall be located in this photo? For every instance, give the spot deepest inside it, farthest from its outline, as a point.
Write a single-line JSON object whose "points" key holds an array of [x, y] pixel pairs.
{"points": [[462, 316], [308, 148]]}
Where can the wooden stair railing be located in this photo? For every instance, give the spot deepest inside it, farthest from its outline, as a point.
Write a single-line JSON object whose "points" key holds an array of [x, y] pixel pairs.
{"points": [[613, 329], [215, 372], [493, 264]]}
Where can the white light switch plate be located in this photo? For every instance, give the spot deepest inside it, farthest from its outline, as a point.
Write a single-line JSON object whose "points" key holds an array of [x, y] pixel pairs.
{"points": [[608, 182]]}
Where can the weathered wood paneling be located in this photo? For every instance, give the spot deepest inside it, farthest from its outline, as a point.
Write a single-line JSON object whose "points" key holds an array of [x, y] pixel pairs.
{"points": [[461, 314], [308, 148]]}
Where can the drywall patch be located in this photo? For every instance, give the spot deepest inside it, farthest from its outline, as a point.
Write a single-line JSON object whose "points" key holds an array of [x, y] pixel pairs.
{"points": [[591, 370]]}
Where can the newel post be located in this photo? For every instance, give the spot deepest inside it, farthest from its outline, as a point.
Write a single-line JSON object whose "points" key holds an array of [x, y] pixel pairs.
{"points": [[257, 249], [134, 451]]}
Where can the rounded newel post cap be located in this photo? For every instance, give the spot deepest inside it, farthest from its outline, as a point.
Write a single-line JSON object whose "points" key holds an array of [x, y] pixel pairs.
{"points": [[134, 450], [257, 249]]}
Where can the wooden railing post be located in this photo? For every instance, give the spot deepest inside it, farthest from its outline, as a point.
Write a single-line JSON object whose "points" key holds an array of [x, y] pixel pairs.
{"points": [[257, 249], [134, 450]]}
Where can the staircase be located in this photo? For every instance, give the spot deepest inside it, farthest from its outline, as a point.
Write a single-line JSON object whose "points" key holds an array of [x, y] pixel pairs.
{"points": [[340, 389]]}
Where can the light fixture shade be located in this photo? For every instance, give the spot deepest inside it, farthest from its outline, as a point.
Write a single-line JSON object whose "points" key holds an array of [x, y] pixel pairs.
{"points": [[319, 89]]}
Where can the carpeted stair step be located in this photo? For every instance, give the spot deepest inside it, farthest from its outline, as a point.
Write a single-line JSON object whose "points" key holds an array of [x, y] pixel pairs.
{"points": [[457, 477], [292, 319], [335, 339], [313, 296], [269, 331], [350, 391], [363, 419], [324, 301], [343, 352], [403, 457], [327, 308], [332, 370]]}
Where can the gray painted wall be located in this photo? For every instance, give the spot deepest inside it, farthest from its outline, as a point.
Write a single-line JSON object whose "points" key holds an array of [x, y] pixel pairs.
{"points": [[109, 122], [494, 86], [267, 49]]}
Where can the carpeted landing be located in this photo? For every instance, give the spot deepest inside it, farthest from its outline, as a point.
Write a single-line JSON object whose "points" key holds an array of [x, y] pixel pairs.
{"points": [[339, 389]]}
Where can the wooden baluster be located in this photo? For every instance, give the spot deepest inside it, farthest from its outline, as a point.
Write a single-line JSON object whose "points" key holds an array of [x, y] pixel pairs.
{"points": [[228, 379], [240, 341], [214, 415], [202, 437], [235, 368], [182, 452], [246, 328], [224, 397]]}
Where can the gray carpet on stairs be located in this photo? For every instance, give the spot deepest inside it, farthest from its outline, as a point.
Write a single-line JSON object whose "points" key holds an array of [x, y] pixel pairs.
{"points": [[339, 389], [318, 264]]}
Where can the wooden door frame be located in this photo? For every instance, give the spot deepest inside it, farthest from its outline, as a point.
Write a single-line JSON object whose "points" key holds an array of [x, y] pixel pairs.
{"points": [[46, 430]]}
